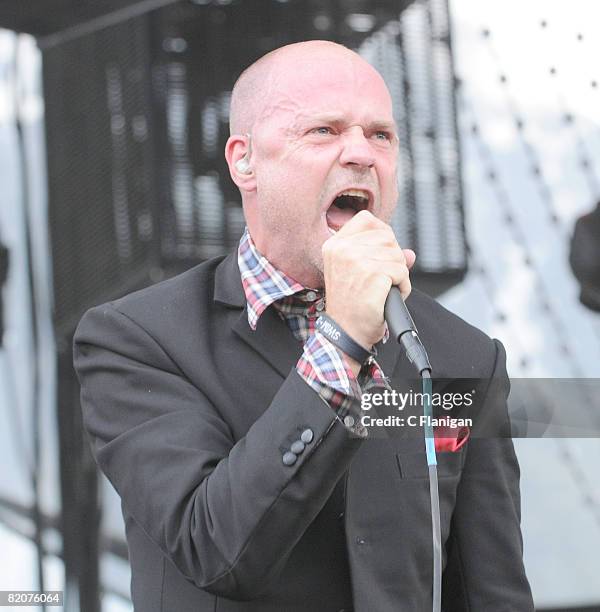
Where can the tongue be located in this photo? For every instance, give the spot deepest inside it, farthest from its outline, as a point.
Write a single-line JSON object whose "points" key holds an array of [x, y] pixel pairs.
{"points": [[338, 217]]}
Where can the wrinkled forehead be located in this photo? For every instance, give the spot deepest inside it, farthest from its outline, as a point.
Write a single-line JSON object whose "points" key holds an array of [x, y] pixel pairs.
{"points": [[317, 84]]}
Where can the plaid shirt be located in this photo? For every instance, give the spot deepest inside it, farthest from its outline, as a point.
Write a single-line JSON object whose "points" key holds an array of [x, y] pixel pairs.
{"points": [[321, 365]]}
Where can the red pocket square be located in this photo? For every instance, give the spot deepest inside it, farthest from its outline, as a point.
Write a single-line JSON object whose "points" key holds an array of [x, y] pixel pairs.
{"points": [[450, 439]]}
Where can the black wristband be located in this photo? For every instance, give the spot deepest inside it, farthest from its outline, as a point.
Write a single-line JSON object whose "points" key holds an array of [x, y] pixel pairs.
{"points": [[338, 337]]}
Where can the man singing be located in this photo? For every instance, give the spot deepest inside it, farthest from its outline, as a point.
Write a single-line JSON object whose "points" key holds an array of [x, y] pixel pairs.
{"points": [[229, 421]]}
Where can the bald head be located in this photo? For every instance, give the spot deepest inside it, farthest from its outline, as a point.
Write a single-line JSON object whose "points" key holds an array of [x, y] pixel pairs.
{"points": [[251, 92]]}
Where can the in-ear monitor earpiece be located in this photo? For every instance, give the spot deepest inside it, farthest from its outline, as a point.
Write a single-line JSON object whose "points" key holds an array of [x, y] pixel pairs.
{"points": [[242, 165]]}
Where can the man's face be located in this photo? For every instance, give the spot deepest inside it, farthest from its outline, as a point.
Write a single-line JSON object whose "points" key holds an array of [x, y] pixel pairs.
{"points": [[326, 130]]}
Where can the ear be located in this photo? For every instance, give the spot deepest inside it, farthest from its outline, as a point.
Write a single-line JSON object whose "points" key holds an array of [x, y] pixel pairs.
{"points": [[237, 149]]}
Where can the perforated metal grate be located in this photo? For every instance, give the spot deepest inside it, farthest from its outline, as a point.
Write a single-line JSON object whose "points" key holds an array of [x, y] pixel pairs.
{"points": [[102, 206]]}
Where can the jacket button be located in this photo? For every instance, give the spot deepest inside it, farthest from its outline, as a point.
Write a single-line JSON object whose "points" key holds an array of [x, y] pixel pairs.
{"points": [[289, 458], [360, 541], [307, 436], [297, 447]]}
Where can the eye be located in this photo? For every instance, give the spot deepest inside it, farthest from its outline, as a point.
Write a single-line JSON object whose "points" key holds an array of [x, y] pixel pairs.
{"points": [[383, 135], [322, 130]]}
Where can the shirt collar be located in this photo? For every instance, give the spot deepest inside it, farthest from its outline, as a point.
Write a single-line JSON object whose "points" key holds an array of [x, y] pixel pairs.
{"points": [[263, 283]]}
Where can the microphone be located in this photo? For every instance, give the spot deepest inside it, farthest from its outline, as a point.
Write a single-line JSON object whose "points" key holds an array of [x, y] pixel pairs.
{"points": [[404, 330]]}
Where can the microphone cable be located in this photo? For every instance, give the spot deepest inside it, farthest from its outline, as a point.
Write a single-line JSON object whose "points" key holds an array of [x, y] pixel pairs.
{"points": [[433, 491], [404, 330]]}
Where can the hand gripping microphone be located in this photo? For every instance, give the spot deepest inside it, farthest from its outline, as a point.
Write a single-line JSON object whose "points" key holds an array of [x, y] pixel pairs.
{"points": [[404, 330]]}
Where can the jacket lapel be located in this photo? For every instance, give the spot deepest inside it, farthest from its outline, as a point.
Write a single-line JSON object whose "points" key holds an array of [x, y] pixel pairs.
{"points": [[272, 339]]}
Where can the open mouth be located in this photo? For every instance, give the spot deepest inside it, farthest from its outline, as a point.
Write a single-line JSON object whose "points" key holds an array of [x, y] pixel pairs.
{"points": [[344, 206]]}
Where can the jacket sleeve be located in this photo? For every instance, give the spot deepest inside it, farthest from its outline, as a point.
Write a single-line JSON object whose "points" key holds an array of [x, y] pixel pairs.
{"points": [[485, 569], [226, 514]]}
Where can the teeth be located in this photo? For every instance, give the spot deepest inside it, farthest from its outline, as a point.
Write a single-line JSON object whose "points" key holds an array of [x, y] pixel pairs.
{"points": [[357, 193]]}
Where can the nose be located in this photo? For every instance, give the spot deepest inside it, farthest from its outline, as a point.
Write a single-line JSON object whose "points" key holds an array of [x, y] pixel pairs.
{"points": [[357, 150]]}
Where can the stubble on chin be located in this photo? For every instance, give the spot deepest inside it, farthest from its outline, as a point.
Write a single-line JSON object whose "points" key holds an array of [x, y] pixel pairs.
{"points": [[318, 274]]}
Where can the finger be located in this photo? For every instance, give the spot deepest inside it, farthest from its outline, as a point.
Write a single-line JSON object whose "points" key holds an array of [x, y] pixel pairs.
{"points": [[410, 257], [391, 254], [368, 238], [405, 287], [362, 221], [398, 273], [399, 276]]}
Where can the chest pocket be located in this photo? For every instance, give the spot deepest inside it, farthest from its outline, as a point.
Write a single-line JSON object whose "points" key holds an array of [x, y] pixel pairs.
{"points": [[414, 465]]}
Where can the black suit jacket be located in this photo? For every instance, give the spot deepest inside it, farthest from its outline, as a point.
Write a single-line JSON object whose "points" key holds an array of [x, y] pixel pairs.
{"points": [[190, 412]]}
